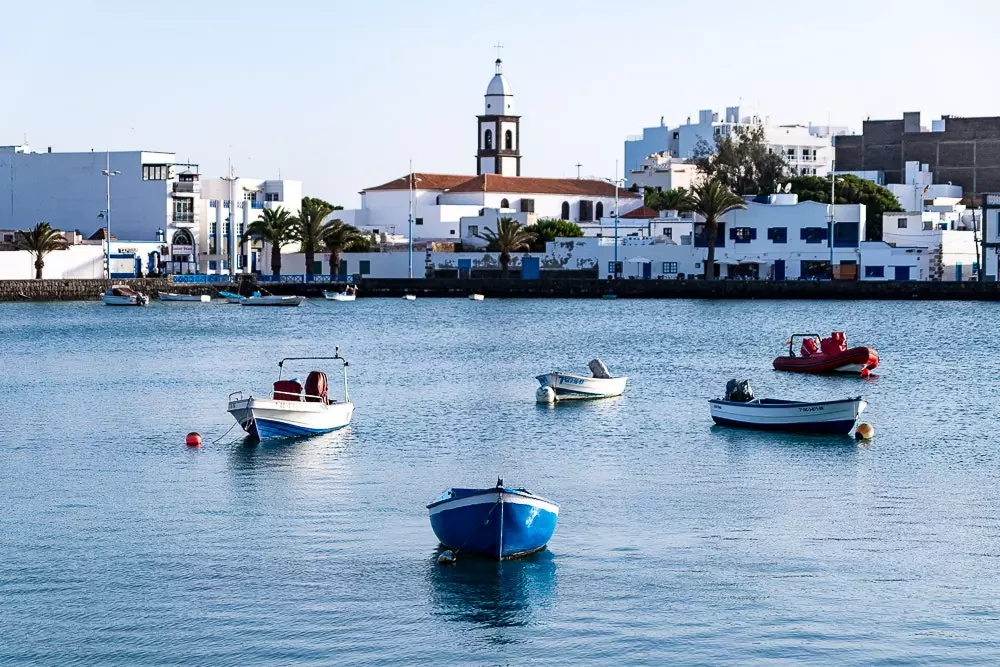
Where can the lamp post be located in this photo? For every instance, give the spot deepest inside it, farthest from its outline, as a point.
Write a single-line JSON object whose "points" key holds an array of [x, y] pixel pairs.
{"points": [[107, 214], [619, 182], [412, 180], [833, 215]]}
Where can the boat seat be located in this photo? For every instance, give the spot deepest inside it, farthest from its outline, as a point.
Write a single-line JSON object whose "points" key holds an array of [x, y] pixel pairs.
{"points": [[316, 387], [287, 390]]}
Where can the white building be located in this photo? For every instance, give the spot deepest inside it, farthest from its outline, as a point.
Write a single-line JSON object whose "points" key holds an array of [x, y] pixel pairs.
{"points": [[808, 149], [452, 207], [661, 171], [952, 254]]}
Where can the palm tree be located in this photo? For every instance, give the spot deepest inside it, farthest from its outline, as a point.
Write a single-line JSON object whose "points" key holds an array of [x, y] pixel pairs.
{"points": [[712, 200], [509, 237], [309, 229], [274, 227], [40, 240], [337, 237]]}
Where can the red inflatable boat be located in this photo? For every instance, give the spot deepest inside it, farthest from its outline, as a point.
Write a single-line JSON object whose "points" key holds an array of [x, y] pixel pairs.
{"points": [[827, 355]]}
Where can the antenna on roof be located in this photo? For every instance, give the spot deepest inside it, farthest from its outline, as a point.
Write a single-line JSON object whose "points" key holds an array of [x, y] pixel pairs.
{"points": [[578, 165]]}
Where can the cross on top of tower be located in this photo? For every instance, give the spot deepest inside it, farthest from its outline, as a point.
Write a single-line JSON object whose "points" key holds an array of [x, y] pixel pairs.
{"points": [[498, 46]]}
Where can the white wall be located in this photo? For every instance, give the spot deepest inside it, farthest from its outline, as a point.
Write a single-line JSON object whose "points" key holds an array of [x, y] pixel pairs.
{"points": [[78, 261]]}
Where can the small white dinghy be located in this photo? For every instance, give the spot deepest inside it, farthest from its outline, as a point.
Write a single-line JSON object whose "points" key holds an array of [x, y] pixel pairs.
{"points": [[271, 300], [291, 410], [476, 297], [740, 408], [122, 295], [174, 296], [557, 386], [409, 297], [339, 296]]}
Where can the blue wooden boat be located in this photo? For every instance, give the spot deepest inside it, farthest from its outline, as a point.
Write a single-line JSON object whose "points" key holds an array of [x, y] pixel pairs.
{"points": [[500, 522]]}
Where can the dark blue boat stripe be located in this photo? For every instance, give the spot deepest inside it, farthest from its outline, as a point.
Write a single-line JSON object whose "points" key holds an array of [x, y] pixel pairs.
{"points": [[843, 426]]}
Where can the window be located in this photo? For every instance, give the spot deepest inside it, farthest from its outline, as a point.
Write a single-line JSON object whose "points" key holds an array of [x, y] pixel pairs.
{"points": [[846, 235], [527, 206], [504, 203], [777, 234], [790, 152], [213, 265], [364, 267], [564, 211], [250, 196], [677, 135], [742, 234], [508, 140], [257, 204], [182, 237], [451, 232], [418, 221], [154, 172], [701, 238], [586, 210], [901, 223], [669, 268], [599, 211], [225, 203], [183, 210], [213, 203], [874, 272], [928, 226], [473, 230], [814, 234], [488, 140], [668, 232]]}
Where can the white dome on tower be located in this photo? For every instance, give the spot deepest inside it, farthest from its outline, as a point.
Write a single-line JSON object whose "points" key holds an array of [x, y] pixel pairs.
{"points": [[499, 96], [498, 84]]}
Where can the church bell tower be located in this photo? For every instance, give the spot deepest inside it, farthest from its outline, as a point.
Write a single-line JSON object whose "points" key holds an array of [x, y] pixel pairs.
{"points": [[499, 130]]}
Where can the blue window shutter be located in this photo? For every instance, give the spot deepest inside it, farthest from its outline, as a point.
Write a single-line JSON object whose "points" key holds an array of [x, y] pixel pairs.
{"points": [[753, 233], [802, 234], [732, 233]]}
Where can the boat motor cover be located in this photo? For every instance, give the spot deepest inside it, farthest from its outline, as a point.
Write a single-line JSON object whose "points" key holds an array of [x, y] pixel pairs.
{"points": [[809, 347], [739, 391], [287, 390], [598, 369], [316, 387]]}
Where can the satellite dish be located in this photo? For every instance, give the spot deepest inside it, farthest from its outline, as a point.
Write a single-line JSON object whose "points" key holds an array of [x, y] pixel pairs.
{"points": [[788, 187]]}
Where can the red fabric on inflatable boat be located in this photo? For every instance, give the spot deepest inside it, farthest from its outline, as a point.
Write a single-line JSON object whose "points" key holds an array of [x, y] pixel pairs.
{"points": [[808, 348]]}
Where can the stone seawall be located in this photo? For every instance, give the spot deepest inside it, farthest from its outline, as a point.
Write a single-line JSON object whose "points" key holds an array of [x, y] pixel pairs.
{"points": [[90, 290]]}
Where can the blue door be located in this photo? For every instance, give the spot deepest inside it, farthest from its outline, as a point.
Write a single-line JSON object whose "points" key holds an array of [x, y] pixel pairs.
{"points": [[902, 273], [958, 271], [779, 269], [465, 268], [647, 270]]}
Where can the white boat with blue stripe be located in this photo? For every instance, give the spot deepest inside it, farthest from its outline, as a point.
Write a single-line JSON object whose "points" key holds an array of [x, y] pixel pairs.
{"points": [[291, 410], [557, 386], [741, 409], [499, 523]]}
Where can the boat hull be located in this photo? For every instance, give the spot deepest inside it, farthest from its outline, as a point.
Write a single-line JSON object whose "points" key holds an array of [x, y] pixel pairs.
{"points": [[170, 296], [268, 419], [861, 360], [789, 416], [574, 387], [110, 300], [337, 296], [272, 301], [496, 523]]}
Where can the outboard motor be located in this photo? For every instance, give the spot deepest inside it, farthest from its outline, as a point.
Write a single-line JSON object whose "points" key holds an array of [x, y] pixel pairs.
{"points": [[739, 391], [598, 369]]}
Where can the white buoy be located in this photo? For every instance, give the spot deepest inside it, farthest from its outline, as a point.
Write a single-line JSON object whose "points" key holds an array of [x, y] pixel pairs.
{"points": [[446, 558], [545, 395]]}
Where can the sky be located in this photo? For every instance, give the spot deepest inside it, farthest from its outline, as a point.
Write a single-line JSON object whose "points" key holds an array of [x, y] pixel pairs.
{"points": [[342, 95]]}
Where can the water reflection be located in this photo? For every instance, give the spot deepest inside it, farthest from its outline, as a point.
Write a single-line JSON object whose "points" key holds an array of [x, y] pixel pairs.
{"points": [[491, 594], [747, 439]]}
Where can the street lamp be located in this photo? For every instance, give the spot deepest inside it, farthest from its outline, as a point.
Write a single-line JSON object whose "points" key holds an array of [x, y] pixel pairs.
{"points": [[618, 182], [412, 180], [833, 207], [107, 217]]}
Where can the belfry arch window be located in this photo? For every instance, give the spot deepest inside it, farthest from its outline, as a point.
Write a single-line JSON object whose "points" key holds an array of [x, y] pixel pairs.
{"points": [[599, 210], [504, 203], [182, 237], [564, 214], [508, 140], [488, 140]]}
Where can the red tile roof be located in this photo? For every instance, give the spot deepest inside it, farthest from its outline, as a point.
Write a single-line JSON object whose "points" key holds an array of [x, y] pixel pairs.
{"points": [[503, 184], [641, 213]]}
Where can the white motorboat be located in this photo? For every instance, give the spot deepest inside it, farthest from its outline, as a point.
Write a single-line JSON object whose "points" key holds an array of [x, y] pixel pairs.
{"points": [[338, 296], [476, 297], [557, 386], [291, 410], [271, 300], [122, 295], [409, 297], [173, 296], [740, 408]]}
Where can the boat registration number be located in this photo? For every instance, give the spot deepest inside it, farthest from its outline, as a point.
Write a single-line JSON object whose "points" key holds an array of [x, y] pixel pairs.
{"points": [[570, 381], [815, 408]]}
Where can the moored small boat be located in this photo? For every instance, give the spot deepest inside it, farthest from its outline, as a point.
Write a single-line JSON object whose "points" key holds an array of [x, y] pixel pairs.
{"points": [[174, 296], [338, 296], [741, 409], [409, 297], [476, 297], [122, 295], [231, 297], [558, 386], [291, 410], [271, 300], [827, 355], [499, 522]]}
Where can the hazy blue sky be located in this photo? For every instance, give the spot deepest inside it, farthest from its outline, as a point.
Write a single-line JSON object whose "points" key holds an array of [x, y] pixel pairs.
{"points": [[341, 95]]}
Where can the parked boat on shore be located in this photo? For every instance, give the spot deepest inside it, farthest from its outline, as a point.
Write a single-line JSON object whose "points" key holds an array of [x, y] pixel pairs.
{"points": [[498, 522], [741, 409], [558, 386], [827, 355], [292, 410], [122, 295], [174, 296]]}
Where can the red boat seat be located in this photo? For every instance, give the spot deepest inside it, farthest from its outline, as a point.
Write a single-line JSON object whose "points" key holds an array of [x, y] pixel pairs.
{"points": [[316, 387], [287, 390], [809, 347], [835, 344]]}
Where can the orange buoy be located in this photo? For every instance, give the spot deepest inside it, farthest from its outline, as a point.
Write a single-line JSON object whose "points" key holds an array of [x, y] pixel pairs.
{"points": [[864, 432], [193, 439]]}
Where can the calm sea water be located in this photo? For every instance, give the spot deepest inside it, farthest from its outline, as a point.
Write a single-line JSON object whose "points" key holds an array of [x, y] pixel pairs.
{"points": [[678, 542]]}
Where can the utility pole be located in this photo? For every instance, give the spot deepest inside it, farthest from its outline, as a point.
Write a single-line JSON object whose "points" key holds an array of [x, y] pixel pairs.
{"points": [[107, 214]]}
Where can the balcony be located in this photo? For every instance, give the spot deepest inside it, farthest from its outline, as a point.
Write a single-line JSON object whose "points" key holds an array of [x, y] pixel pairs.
{"points": [[186, 188]]}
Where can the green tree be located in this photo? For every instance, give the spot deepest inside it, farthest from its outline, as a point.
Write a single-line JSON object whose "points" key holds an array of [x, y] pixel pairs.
{"points": [[309, 228], [337, 238], [549, 229], [712, 200], [276, 227], [675, 199], [742, 161], [509, 237], [850, 189], [39, 241]]}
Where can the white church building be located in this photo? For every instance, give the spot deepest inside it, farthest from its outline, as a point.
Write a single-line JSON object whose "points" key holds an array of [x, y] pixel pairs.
{"points": [[450, 207]]}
